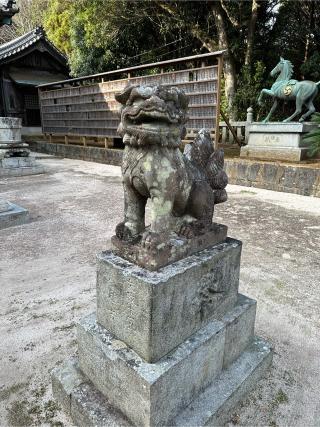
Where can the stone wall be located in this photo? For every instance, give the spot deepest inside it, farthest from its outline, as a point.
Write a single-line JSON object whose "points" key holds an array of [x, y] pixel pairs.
{"points": [[300, 178], [291, 178], [93, 154]]}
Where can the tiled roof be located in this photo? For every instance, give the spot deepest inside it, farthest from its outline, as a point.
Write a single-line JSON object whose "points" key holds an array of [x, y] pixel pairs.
{"points": [[23, 42]]}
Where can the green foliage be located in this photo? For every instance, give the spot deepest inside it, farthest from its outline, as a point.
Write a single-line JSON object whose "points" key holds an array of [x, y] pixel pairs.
{"points": [[313, 137], [57, 22], [102, 35], [249, 86], [311, 68]]}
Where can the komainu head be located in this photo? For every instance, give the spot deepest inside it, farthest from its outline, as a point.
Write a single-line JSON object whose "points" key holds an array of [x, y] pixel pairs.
{"points": [[152, 115]]}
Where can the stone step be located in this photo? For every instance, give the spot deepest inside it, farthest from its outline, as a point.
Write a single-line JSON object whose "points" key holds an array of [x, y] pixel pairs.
{"points": [[153, 312], [150, 393], [88, 407], [214, 406], [154, 393]]}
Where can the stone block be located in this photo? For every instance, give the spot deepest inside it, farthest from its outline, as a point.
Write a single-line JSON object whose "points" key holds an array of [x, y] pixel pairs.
{"points": [[10, 130], [174, 249], [20, 166], [153, 312], [80, 400], [274, 153], [65, 380], [280, 127], [150, 394], [16, 215], [277, 141], [213, 406], [90, 408]]}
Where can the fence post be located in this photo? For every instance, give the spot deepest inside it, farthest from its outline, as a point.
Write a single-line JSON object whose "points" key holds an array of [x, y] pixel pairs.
{"points": [[249, 120]]}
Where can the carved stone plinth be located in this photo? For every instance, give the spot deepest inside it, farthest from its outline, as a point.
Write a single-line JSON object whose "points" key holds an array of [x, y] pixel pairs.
{"points": [[15, 159], [172, 347], [153, 312]]}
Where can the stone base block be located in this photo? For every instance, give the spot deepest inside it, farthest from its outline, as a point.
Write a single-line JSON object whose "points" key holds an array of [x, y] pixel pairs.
{"points": [[19, 166], [274, 153], [88, 407], [150, 394], [176, 248], [15, 215], [277, 141], [153, 312]]}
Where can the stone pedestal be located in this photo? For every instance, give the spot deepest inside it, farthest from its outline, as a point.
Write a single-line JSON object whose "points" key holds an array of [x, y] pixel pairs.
{"points": [[171, 347], [15, 159], [11, 214], [277, 141]]}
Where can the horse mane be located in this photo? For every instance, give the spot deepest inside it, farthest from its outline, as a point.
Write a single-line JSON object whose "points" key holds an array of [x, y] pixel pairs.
{"points": [[290, 68]]}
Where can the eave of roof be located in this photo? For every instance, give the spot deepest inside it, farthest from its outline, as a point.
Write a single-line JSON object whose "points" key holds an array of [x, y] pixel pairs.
{"points": [[21, 43]]}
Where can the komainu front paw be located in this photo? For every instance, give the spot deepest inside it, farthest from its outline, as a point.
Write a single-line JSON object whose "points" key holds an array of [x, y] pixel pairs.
{"points": [[151, 240], [192, 229], [186, 231]]}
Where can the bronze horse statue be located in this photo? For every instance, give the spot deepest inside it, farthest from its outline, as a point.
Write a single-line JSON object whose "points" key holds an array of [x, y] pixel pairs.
{"points": [[304, 92]]}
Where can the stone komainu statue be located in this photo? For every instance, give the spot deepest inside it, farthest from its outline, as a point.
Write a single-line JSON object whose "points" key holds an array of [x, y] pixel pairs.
{"points": [[183, 187]]}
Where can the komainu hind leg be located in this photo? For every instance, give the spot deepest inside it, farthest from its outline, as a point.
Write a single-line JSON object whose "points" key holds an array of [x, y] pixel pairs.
{"points": [[200, 207]]}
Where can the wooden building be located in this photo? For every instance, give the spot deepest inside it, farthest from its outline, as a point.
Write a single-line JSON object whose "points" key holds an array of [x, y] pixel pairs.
{"points": [[25, 63]]}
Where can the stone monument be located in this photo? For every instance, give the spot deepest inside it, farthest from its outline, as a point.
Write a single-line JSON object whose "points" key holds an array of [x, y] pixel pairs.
{"points": [[283, 141], [172, 341]]}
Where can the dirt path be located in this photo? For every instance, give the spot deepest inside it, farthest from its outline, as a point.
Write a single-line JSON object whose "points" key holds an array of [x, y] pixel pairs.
{"points": [[47, 277]]}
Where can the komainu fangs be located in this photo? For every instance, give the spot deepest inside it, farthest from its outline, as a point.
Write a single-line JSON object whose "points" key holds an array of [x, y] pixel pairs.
{"points": [[183, 187]]}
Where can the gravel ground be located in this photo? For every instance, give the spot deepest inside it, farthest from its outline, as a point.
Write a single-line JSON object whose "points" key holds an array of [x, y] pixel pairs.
{"points": [[47, 276]]}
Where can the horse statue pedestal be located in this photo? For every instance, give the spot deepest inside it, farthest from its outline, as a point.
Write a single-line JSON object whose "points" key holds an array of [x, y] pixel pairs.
{"points": [[277, 141]]}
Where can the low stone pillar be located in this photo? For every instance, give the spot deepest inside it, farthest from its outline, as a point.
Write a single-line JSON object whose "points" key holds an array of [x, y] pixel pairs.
{"points": [[249, 115], [15, 159]]}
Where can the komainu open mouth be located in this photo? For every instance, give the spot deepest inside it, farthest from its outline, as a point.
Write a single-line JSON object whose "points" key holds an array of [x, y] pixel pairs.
{"points": [[149, 119]]}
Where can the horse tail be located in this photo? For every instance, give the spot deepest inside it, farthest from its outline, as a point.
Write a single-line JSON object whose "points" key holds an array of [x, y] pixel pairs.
{"points": [[318, 83]]}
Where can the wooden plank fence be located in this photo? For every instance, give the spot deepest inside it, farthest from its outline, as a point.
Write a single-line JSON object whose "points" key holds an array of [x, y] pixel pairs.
{"points": [[86, 107]]}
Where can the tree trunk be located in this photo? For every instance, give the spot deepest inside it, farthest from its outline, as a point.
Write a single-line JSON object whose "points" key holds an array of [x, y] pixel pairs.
{"points": [[229, 65], [251, 32], [220, 19], [311, 10]]}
